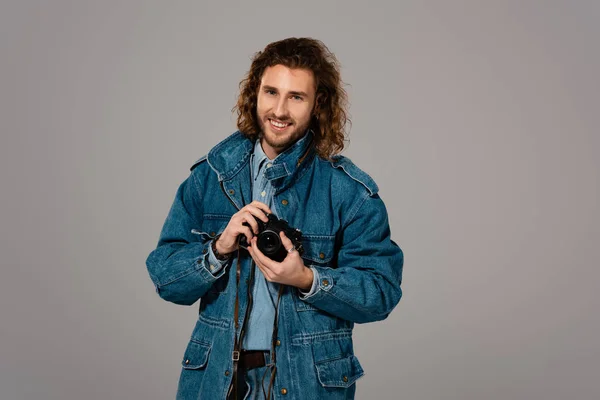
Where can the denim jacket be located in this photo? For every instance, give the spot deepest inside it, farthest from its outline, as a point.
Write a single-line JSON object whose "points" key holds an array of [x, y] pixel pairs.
{"points": [[346, 238]]}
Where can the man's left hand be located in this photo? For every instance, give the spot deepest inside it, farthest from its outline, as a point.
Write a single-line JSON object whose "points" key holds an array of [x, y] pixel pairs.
{"points": [[291, 271]]}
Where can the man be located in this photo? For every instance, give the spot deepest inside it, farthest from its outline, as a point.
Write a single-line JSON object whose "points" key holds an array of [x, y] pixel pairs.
{"points": [[266, 328]]}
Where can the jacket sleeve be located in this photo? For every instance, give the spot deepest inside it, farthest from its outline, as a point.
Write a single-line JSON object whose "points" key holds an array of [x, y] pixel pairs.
{"points": [[179, 266], [365, 286]]}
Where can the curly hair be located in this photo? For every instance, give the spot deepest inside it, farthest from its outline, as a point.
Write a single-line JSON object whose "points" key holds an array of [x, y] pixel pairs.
{"points": [[330, 113]]}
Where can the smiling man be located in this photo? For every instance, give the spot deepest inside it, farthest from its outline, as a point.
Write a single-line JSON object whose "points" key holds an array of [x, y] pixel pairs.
{"points": [[285, 243], [286, 99]]}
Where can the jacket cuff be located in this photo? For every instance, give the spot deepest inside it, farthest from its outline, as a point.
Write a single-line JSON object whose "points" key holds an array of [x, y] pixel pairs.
{"points": [[313, 288], [214, 265]]}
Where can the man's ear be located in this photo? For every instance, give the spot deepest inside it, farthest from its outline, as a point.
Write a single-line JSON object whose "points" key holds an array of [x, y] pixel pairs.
{"points": [[318, 102]]}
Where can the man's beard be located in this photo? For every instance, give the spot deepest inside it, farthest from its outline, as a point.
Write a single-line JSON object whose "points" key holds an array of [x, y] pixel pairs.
{"points": [[282, 142]]}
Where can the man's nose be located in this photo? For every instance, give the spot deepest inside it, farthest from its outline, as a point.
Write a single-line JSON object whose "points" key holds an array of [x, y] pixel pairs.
{"points": [[281, 108]]}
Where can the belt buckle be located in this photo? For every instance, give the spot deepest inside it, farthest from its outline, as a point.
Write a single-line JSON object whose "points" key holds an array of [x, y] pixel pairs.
{"points": [[235, 356]]}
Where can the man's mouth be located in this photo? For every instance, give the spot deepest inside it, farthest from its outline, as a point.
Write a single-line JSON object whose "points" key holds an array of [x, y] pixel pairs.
{"points": [[279, 125]]}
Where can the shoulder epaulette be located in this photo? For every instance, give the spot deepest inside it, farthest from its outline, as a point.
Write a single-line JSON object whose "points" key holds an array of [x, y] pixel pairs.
{"points": [[200, 160], [355, 173]]}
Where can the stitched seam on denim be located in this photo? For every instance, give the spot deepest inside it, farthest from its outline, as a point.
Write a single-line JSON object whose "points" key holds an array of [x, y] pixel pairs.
{"points": [[317, 261], [336, 358], [355, 306], [219, 176], [355, 209], [179, 276], [371, 191], [200, 342], [307, 338], [196, 182], [214, 217], [207, 348], [318, 236], [238, 167], [227, 174], [334, 382], [217, 323], [304, 306]]}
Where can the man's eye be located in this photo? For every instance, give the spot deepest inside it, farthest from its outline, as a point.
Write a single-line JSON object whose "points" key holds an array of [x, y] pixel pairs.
{"points": [[296, 97], [268, 91]]}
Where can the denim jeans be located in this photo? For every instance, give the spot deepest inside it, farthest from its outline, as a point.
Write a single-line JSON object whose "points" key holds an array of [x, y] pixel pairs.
{"points": [[252, 383]]}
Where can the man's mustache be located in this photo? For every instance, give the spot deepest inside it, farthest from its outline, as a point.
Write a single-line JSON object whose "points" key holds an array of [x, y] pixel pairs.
{"points": [[286, 119]]}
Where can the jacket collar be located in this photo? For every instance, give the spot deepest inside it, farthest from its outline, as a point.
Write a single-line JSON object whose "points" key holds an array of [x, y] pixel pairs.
{"points": [[232, 154]]}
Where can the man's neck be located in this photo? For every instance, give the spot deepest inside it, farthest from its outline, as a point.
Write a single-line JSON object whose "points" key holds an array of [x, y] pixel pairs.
{"points": [[270, 152]]}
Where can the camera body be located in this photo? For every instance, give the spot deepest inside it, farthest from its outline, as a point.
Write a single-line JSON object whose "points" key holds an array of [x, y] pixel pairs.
{"points": [[268, 240]]}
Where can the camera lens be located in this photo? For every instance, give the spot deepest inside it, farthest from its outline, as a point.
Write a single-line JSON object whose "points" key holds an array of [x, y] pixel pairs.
{"points": [[268, 242]]}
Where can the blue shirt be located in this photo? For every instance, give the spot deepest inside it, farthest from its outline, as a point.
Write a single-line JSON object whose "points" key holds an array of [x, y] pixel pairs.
{"points": [[264, 293]]}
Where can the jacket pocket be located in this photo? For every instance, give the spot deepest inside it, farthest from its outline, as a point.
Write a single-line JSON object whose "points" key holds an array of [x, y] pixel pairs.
{"points": [[341, 372], [318, 250], [196, 355]]}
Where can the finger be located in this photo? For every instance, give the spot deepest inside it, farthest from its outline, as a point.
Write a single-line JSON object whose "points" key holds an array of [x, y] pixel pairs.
{"points": [[253, 250], [260, 257], [265, 271], [249, 219], [261, 206], [286, 242], [257, 212], [245, 230]]}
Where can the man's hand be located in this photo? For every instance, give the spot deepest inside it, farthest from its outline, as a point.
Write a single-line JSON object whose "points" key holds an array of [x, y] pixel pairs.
{"points": [[227, 242], [291, 271]]}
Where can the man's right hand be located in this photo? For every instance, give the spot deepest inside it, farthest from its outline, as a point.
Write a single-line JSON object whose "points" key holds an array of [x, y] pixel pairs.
{"points": [[228, 241]]}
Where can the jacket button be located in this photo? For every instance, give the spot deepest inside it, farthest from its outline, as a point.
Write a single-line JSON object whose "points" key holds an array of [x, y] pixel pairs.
{"points": [[204, 251], [278, 342], [187, 362], [322, 256], [284, 202], [284, 391], [213, 233], [325, 282], [345, 379], [231, 191], [227, 373]]}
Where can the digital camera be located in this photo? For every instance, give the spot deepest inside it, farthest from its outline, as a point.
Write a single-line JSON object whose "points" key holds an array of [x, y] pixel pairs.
{"points": [[268, 240]]}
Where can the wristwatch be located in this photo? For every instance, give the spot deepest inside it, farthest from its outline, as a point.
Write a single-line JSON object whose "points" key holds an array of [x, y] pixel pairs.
{"points": [[219, 256]]}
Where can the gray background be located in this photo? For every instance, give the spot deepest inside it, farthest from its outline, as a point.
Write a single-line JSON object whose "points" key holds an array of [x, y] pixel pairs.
{"points": [[478, 120]]}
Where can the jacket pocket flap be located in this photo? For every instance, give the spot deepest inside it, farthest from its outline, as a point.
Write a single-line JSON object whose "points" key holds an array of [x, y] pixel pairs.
{"points": [[342, 372], [212, 225], [196, 355], [318, 249]]}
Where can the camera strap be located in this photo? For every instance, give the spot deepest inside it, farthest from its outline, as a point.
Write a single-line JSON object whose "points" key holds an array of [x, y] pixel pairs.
{"points": [[272, 364], [238, 339]]}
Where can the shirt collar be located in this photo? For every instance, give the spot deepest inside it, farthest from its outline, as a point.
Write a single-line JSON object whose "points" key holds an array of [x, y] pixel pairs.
{"points": [[285, 162], [258, 159]]}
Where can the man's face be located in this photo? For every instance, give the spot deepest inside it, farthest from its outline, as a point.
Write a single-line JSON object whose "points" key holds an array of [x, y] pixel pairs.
{"points": [[285, 103]]}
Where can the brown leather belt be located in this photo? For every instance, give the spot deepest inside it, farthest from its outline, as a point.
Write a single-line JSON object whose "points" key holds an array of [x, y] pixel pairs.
{"points": [[250, 359]]}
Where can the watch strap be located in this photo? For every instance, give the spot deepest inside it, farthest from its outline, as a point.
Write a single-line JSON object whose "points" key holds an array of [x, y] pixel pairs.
{"points": [[219, 256]]}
